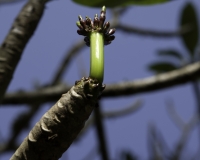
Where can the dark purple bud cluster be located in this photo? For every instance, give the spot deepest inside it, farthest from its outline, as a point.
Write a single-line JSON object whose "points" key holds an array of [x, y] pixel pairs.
{"points": [[97, 25]]}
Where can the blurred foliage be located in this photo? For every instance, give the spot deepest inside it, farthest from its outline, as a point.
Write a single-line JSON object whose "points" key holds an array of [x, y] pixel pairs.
{"points": [[165, 66], [190, 41], [189, 18], [160, 67], [117, 3], [171, 54], [126, 155]]}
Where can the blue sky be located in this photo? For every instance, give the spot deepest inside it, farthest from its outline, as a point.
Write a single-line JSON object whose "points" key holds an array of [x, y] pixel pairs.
{"points": [[125, 59]]}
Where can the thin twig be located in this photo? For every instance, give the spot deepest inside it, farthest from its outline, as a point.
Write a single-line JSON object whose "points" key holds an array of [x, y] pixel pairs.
{"points": [[123, 112], [113, 114], [174, 115], [153, 33], [195, 87], [73, 51], [158, 148], [100, 132], [117, 13], [184, 137]]}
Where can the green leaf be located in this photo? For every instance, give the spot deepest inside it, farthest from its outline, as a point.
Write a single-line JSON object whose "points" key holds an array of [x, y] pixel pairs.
{"points": [[160, 67], [170, 53], [130, 157], [127, 155], [117, 3], [189, 17]]}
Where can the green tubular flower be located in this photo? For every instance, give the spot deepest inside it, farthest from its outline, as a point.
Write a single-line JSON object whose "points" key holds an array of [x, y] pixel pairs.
{"points": [[97, 34], [97, 56]]}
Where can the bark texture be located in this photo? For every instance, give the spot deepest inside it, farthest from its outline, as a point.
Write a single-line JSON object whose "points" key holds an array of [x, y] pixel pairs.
{"points": [[16, 40], [59, 126]]}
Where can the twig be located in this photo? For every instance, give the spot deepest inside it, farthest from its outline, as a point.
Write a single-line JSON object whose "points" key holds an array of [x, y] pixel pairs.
{"points": [[158, 148], [153, 33], [113, 114], [16, 40], [82, 72], [123, 112], [196, 89], [183, 139], [195, 85], [73, 51], [101, 134], [174, 115], [145, 32], [154, 83]]}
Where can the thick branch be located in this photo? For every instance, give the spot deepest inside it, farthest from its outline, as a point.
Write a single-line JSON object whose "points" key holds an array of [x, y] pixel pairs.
{"points": [[59, 126], [16, 40], [154, 83]]}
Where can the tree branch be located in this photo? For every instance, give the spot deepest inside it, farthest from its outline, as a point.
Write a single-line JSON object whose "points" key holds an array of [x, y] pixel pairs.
{"points": [[16, 40], [59, 126], [154, 83]]}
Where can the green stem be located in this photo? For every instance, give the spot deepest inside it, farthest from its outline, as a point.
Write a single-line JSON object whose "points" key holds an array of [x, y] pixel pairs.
{"points": [[97, 56]]}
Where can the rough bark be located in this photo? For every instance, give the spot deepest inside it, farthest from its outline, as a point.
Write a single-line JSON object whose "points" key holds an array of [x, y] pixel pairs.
{"points": [[59, 126], [16, 40]]}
